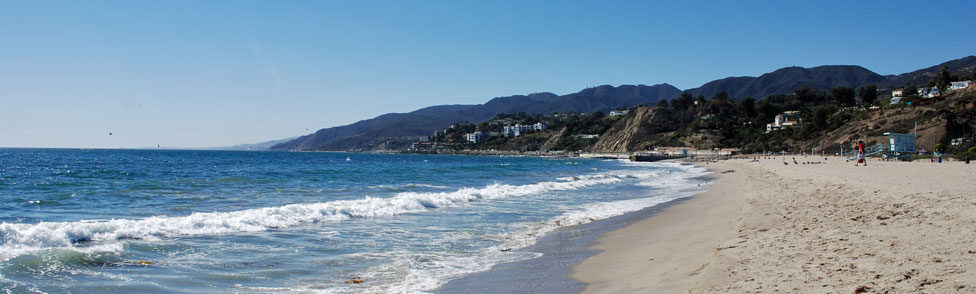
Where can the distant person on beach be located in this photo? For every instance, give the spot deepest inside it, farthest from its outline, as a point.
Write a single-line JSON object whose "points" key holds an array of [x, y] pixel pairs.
{"points": [[860, 154]]}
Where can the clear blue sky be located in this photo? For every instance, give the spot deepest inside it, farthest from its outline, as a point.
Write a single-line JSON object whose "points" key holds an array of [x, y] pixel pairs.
{"points": [[215, 73]]}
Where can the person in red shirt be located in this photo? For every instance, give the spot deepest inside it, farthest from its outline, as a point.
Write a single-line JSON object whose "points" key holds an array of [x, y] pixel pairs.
{"points": [[860, 154]]}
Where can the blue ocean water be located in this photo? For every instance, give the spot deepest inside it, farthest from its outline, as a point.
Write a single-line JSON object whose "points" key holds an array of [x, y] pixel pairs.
{"points": [[161, 221]]}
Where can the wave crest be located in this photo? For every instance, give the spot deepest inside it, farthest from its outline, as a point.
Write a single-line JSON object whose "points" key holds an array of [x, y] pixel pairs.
{"points": [[17, 239]]}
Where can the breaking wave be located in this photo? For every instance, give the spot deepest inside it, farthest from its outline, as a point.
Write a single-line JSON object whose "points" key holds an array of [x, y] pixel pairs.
{"points": [[427, 272], [18, 239]]}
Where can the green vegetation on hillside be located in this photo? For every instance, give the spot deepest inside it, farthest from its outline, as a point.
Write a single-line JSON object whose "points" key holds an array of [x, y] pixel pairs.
{"points": [[568, 128], [827, 120]]}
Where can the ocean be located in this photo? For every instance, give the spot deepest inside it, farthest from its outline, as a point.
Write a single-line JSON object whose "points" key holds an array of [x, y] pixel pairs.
{"points": [[176, 221]]}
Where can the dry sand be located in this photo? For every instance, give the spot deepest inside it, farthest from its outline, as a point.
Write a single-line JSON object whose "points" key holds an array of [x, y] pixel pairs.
{"points": [[890, 227]]}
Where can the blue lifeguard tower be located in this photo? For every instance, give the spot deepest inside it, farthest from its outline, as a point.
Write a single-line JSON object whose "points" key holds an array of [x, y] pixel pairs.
{"points": [[899, 146], [901, 143]]}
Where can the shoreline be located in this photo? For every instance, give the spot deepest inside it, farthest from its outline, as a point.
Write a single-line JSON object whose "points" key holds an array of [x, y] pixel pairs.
{"points": [[560, 250], [549, 273], [658, 254]]}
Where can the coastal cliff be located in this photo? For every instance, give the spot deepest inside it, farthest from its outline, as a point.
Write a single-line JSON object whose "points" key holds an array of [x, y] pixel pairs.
{"points": [[629, 133]]}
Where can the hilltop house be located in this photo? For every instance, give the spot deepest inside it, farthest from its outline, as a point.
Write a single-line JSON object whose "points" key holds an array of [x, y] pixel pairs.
{"points": [[518, 129], [959, 85], [897, 95], [619, 112], [476, 137], [784, 120]]}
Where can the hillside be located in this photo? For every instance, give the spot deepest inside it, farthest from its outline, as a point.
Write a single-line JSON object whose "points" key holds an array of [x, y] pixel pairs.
{"points": [[937, 122], [964, 67], [630, 133], [366, 134], [785, 80], [376, 133]]}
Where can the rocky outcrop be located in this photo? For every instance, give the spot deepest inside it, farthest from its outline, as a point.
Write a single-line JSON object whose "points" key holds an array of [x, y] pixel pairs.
{"points": [[627, 134], [554, 140]]}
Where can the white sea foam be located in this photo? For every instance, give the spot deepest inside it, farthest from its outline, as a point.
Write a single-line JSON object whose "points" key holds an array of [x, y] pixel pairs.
{"points": [[427, 186], [408, 186], [17, 239], [411, 272], [675, 182]]}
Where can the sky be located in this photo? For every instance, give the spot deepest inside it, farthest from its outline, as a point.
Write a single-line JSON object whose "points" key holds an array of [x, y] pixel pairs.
{"points": [[220, 73]]}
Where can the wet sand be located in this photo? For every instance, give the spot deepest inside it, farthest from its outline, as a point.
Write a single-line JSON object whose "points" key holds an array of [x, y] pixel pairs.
{"points": [[549, 273], [664, 253]]}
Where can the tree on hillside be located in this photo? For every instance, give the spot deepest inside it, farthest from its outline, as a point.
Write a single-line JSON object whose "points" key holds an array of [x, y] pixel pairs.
{"points": [[721, 96], [748, 106], [868, 94], [663, 103], [701, 100], [942, 80], [910, 93], [843, 95], [683, 102], [820, 116], [909, 90], [810, 96]]}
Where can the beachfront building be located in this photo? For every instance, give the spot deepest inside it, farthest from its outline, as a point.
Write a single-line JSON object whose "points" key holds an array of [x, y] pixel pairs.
{"points": [[688, 151], [786, 119], [518, 129], [476, 137], [675, 151], [959, 85], [901, 143]]}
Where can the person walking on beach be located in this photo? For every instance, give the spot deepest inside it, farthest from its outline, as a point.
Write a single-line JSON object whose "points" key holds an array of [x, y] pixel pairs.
{"points": [[860, 154]]}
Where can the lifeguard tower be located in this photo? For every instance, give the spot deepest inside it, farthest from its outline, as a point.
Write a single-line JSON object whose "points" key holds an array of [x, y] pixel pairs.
{"points": [[901, 143], [899, 146]]}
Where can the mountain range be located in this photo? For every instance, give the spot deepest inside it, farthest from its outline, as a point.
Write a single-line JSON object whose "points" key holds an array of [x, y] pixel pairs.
{"points": [[423, 122], [365, 134]]}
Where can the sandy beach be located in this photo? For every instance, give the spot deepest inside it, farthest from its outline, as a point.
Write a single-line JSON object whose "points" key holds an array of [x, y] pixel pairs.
{"points": [[825, 227]]}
